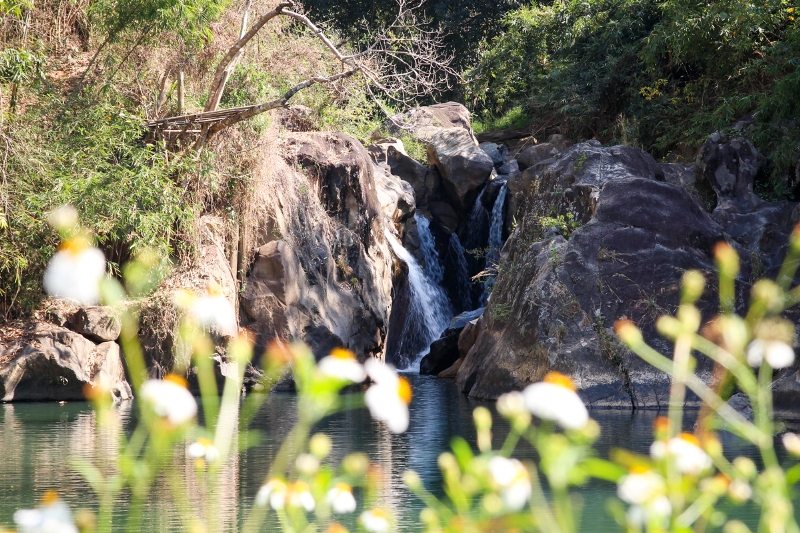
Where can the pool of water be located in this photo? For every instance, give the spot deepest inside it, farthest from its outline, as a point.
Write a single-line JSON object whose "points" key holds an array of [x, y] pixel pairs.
{"points": [[38, 441]]}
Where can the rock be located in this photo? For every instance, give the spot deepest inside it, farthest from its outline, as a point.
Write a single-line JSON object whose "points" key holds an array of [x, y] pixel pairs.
{"points": [[569, 185], [442, 355], [467, 337], [730, 167], [424, 180], [98, 323], [554, 301], [326, 274], [464, 167], [395, 195], [531, 155], [494, 151], [53, 363], [445, 350], [452, 371], [419, 119]]}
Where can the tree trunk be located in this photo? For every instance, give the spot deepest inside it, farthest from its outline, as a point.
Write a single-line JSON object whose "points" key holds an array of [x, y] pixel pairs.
{"points": [[181, 94]]}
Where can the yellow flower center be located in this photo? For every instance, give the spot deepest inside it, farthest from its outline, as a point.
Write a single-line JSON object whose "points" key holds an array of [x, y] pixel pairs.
{"points": [[639, 469], [380, 513], [49, 497], [298, 487], [75, 245], [661, 424], [690, 438], [404, 390], [557, 378], [336, 527], [343, 353], [343, 487], [205, 442], [176, 379]]}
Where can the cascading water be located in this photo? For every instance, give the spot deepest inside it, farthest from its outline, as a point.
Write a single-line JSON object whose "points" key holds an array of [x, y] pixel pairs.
{"points": [[462, 279], [496, 227], [495, 242], [428, 313]]}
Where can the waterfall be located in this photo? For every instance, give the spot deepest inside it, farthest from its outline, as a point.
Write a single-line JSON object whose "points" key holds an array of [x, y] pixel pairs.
{"points": [[428, 313], [496, 227], [495, 241], [462, 282], [427, 247]]}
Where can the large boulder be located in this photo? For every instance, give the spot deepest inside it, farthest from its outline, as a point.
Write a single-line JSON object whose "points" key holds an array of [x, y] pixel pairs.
{"points": [[452, 148], [49, 362], [97, 323], [322, 268], [568, 185], [555, 300], [395, 195], [729, 167]]}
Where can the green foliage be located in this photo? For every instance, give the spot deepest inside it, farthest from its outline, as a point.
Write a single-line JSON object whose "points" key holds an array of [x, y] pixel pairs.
{"points": [[94, 158], [659, 74], [565, 224], [516, 117], [189, 19], [15, 8], [20, 66]]}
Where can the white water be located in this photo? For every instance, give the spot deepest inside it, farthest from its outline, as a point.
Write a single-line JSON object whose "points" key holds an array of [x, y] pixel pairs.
{"points": [[429, 311], [496, 227], [495, 239]]}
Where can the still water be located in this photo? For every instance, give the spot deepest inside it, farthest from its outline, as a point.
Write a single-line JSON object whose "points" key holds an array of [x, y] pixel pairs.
{"points": [[37, 441]]}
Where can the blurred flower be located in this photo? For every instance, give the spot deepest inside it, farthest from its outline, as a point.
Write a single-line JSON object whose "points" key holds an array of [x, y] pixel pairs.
{"points": [[336, 527], [641, 515], [212, 311], [342, 364], [75, 271], [778, 354], [63, 218], [307, 464], [513, 479], [170, 399], [52, 516], [685, 450], [341, 499], [299, 495], [740, 491], [274, 493], [511, 404], [389, 396], [791, 441], [555, 399], [376, 520], [641, 487], [203, 450]]}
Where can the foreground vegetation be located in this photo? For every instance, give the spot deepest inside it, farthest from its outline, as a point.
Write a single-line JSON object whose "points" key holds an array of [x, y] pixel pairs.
{"points": [[679, 486]]}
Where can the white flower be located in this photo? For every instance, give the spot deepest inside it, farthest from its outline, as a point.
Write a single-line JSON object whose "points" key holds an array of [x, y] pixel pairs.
{"points": [[170, 399], [685, 450], [388, 397], [641, 515], [203, 449], [75, 271], [555, 399], [511, 404], [778, 354], [212, 311], [740, 491], [376, 520], [341, 499], [342, 364], [299, 495], [52, 516], [274, 493], [513, 480], [791, 441], [638, 488]]}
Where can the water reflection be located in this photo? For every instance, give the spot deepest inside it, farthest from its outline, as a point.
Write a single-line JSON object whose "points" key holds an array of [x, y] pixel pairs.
{"points": [[38, 439]]}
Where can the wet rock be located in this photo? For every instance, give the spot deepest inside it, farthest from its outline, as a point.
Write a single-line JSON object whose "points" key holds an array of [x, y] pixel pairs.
{"points": [[464, 167], [555, 301], [49, 362], [443, 354], [98, 323]]}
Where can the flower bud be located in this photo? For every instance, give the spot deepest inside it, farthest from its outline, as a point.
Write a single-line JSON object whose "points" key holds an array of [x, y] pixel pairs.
{"points": [[693, 284], [320, 445], [412, 480], [727, 260], [628, 332]]}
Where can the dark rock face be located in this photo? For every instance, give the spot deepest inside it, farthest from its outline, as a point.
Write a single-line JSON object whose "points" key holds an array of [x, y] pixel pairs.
{"points": [[642, 226], [322, 269], [98, 323], [50, 362], [445, 351]]}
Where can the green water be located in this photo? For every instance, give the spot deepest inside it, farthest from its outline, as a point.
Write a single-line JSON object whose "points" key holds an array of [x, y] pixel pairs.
{"points": [[38, 439]]}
